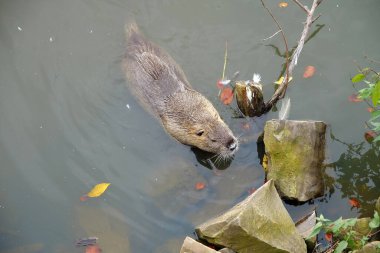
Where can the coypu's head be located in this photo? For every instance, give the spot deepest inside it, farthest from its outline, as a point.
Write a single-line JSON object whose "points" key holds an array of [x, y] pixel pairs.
{"points": [[192, 119]]}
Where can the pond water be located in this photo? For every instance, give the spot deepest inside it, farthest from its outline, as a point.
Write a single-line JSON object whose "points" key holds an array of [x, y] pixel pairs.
{"points": [[68, 122]]}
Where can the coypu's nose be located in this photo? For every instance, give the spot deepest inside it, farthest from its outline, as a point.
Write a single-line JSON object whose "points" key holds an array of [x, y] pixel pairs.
{"points": [[232, 144]]}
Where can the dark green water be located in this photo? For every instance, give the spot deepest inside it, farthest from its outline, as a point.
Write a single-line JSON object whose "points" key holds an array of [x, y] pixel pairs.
{"points": [[68, 122]]}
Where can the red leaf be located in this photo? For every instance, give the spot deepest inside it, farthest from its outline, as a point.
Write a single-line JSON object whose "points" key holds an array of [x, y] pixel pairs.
{"points": [[93, 249], [354, 98], [227, 96], [83, 198], [219, 84], [354, 202], [328, 237], [309, 71], [369, 136], [370, 109], [200, 186]]}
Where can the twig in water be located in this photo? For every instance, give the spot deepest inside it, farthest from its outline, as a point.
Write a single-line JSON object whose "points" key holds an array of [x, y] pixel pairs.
{"points": [[225, 63], [272, 35], [304, 8]]}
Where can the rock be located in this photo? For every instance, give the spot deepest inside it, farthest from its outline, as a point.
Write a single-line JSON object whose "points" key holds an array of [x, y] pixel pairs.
{"points": [[377, 206], [296, 150], [372, 247], [260, 223], [226, 250], [305, 226], [192, 246]]}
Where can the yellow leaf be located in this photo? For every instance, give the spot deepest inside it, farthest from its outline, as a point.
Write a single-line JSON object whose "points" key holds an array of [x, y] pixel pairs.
{"points": [[279, 81], [98, 190]]}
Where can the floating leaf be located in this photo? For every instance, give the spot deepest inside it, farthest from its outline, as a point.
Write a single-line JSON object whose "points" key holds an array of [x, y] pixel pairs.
{"points": [[279, 81], [200, 186], [246, 126], [370, 109], [309, 71], [98, 190], [283, 4], [328, 237], [354, 202], [93, 249], [358, 78], [227, 95], [369, 136], [354, 98]]}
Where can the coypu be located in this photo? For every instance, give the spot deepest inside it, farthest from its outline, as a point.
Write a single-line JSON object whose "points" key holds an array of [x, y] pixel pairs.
{"points": [[161, 87]]}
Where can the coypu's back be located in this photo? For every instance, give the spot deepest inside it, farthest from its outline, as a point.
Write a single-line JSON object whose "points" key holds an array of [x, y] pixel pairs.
{"points": [[161, 87], [151, 73]]}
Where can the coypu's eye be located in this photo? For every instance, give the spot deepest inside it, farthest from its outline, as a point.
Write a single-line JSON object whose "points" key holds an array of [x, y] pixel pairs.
{"points": [[200, 132]]}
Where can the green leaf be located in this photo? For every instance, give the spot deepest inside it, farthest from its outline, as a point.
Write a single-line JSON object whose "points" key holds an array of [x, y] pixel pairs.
{"points": [[337, 225], [375, 222], [378, 245], [341, 246], [358, 78], [317, 228], [375, 115], [376, 94], [376, 139], [349, 223]]}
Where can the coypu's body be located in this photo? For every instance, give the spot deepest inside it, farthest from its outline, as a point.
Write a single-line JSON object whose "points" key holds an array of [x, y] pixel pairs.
{"points": [[161, 87]]}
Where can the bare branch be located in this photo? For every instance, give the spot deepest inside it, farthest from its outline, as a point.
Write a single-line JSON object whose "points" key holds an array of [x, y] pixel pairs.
{"points": [[301, 6], [280, 92]]}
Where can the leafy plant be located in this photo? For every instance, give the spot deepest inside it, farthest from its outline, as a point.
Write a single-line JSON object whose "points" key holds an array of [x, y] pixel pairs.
{"points": [[371, 94], [342, 235]]}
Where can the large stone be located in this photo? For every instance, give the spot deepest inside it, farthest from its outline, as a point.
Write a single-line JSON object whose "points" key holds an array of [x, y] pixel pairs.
{"points": [[192, 246], [259, 224], [296, 151]]}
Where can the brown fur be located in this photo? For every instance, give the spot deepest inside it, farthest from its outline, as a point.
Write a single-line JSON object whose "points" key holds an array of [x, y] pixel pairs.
{"points": [[162, 88]]}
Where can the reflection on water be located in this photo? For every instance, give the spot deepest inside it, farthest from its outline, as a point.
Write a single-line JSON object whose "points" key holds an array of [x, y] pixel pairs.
{"points": [[68, 122]]}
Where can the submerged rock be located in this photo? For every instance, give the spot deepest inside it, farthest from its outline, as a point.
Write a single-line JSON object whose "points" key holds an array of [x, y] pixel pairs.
{"points": [[259, 224], [192, 246], [296, 150]]}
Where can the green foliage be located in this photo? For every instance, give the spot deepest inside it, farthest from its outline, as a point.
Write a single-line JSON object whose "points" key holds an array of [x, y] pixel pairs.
{"points": [[371, 93], [344, 236]]}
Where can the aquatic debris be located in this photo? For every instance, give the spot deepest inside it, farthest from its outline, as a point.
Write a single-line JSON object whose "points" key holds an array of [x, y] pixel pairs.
{"points": [[86, 241], [309, 71], [279, 81], [283, 114], [249, 97]]}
